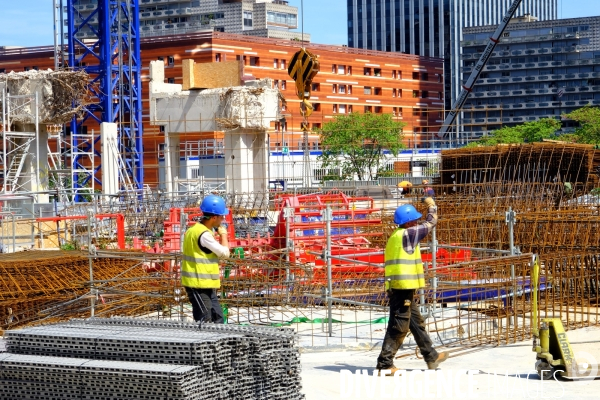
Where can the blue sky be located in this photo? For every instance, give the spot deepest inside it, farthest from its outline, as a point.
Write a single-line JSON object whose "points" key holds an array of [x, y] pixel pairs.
{"points": [[30, 22]]}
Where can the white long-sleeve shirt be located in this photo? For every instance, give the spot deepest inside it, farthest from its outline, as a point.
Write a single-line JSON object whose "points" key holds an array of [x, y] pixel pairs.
{"points": [[208, 241]]}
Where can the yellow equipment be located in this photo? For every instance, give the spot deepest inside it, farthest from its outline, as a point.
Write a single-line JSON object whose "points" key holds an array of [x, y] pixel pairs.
{"points": [[554, 355], [303, 67]]}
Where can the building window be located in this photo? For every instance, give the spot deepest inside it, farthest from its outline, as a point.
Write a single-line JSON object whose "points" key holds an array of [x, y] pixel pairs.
{"points": [[399, 75], [277, 127], [316, 125], [439, 95], [399, 112], [315, 87], [254, 61], [335, 108], [377, 91], [26, 68], [367, 90], [284, 126], [349, 108], [276, 63], [282, 64], [424, 76], [171, 61], [247, 19], [275, 84], [424, 94], [399, 93], [317, 106], [342, 89], [342, 109], [218, 57], [378, 110], [349, 70], [160, 58], [170, 80], [367, 71], [368, 109], [35, 68], [377, 71], [415, 94], [283, 85], [394, 74], [333, 68], [349, 89], [415, 75], [334, 88], [393, 92], [341, 69]]}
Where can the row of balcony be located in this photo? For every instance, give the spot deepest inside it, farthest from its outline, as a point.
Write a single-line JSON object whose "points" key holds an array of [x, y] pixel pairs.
{"points": [[521, 39], [539, 78], [166, 13], [531, 105], [527, 52], [533, 92], [528, 66]]}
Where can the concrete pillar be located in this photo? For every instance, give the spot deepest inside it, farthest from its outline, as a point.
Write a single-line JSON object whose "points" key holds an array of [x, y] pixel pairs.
{"points": [[171, 161], [246, 165], [34, 175], [110, 154]]}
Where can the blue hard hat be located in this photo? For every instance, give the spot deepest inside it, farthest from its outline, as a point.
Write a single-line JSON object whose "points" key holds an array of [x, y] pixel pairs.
{"points": [[406, 213], [214, 205]]}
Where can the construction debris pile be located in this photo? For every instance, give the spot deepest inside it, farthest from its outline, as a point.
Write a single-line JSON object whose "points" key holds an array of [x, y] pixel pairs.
{"points": [[121, 358], [50, 286], [61, 94]]}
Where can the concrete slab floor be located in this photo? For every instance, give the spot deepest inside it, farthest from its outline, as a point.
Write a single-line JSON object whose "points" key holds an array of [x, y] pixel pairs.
{"points": [[505, 372]]}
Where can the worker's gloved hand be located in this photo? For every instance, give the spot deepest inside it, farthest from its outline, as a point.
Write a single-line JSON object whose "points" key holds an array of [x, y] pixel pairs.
{"points": [[221, 230], [429, 201]]}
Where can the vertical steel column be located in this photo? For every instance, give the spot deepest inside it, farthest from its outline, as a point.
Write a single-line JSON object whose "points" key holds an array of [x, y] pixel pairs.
{"points": [[510, 220], [91, 262], [327, 217]]}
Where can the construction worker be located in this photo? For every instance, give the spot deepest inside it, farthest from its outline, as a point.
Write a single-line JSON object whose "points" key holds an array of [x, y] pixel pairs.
{"points": [[404, 188], [403, 275], [200, 263], [427, 190]]}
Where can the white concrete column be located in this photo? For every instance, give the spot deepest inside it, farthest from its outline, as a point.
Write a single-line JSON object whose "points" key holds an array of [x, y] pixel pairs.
{"points": [[110, 165], [246, 161], [172, 161]]}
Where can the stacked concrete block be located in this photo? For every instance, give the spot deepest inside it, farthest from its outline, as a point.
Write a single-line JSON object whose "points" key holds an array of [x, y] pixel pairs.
{"points": [[119, 358]]}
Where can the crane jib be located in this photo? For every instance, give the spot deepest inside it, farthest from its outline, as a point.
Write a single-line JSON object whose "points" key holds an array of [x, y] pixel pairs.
{"points": [[468, 87]]}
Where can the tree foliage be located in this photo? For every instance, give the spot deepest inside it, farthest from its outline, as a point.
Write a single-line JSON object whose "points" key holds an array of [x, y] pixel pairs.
{"points": [[589, 120], [355, 143], [533, 131]]}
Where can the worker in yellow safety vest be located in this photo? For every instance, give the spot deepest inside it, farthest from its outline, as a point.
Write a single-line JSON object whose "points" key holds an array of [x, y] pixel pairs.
{"points": [[200, 260], [403, 276]]}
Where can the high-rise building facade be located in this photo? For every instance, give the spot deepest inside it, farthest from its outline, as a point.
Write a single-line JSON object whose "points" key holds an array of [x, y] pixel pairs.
{"points": [[265, 18], [430, 27], [538, 70]]}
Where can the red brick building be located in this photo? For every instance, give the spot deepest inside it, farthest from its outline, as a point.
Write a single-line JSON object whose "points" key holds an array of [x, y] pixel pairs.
{"points": [[350, 80]]}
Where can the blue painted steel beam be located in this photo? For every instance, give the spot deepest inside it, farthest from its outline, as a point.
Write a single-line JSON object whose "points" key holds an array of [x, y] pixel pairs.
{"points": [[115, 86]]}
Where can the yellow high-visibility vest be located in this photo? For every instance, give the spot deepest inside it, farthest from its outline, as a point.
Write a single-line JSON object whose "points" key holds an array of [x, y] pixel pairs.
{"points": [[198, 269], [402, 270]]}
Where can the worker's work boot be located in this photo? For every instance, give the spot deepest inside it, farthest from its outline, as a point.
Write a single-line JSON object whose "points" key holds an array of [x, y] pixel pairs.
{"points": [[391, 369], [443, 356]]}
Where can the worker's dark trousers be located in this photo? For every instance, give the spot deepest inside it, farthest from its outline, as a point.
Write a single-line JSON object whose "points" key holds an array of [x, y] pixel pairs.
{"points": [[402, 319], [205, 305]]}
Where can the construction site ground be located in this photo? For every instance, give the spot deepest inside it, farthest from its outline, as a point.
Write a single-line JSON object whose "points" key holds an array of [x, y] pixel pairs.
{"points": [[502, 372]]}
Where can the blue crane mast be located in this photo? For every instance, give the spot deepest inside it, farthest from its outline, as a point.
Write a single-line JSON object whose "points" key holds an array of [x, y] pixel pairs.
{"points": [[105, 43]]}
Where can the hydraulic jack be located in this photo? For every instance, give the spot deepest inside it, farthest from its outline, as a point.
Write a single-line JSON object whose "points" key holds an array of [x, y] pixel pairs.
{"points": [[554, 355]]}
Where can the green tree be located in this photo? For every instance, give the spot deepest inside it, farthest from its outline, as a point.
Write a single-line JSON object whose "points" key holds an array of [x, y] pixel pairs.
{"points": [[533, 131], [354, 143], [589, 120]]}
